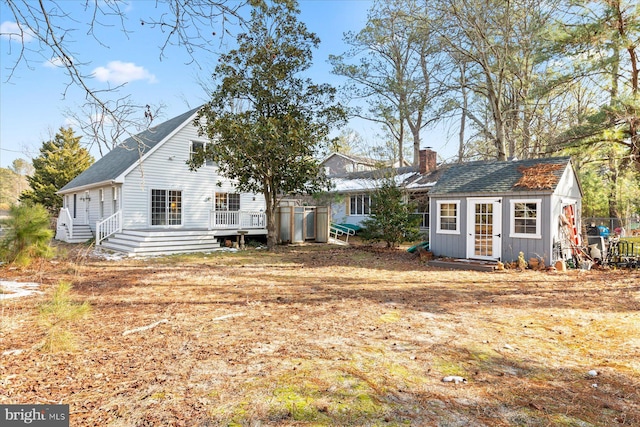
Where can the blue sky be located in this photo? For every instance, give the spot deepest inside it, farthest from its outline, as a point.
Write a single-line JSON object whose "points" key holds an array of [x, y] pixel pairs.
{"points": [[33, 108]]}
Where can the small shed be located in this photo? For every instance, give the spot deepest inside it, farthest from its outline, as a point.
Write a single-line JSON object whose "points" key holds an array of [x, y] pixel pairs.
{"points": [[493, 210]]}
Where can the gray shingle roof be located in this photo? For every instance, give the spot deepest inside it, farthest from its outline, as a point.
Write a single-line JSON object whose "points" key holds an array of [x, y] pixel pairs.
{"points": [[491, 177], [118, 160]]}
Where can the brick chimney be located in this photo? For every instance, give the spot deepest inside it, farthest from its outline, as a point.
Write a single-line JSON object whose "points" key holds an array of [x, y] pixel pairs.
{"points": [[427, 161]]}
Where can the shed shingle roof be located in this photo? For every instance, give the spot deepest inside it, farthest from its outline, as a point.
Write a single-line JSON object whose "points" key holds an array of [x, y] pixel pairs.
{"points": [[491, 177], [118, 160]]}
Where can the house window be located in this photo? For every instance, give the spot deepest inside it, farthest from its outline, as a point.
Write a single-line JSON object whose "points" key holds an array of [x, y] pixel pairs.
{"points": [[448, 217], [360, 204], [101, 203], [227, 202], [114, 199], [199, 146], [525, 219], [75, 205], [166, 207], [421, 203]]}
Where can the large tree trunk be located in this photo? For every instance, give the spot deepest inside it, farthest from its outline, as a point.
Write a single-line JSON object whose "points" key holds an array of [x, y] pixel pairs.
{"points": [[271, 203], [494, 98], [465, 106]]}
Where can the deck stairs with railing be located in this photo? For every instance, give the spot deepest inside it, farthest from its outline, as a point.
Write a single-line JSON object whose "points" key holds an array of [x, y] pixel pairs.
{"points": [[81, 233], [167, 242], [69, 232]]}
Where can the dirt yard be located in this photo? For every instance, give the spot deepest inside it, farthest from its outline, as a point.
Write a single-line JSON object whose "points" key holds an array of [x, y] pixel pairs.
{"points": [[318, 335]]}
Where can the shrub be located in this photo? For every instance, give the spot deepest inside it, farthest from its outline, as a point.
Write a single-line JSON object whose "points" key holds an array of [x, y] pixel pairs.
{"points": [[26, 234], [392, 220]]}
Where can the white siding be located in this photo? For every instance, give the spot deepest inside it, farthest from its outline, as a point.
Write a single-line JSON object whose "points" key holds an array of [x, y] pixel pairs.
{"points": [[166, 169]]}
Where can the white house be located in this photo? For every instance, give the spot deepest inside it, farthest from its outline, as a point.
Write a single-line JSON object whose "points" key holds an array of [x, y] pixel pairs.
{"points": [[142, 198]]}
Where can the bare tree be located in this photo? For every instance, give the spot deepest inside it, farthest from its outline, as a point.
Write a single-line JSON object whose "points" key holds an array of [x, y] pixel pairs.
{"points": [[497, 45], [47, 30], [395, 59]]}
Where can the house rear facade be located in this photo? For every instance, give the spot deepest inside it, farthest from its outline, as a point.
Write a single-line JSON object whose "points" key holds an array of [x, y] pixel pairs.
{"points": [[144, 187]]}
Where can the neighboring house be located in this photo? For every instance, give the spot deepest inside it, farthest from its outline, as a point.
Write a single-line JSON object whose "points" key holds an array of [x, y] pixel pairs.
{"points": [[354, 189], [494, 210], [142, 198], [338, 163]]}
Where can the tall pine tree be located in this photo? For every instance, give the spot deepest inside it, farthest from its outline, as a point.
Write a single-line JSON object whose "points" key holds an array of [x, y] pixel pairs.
{"points": [[60, 160]]}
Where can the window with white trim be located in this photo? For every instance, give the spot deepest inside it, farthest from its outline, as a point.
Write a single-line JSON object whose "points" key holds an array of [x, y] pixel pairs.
{"points": [[526, 218], [227, 202], [448, 216], [360, 204], [114, 200], [198, 146], [101, 194]]}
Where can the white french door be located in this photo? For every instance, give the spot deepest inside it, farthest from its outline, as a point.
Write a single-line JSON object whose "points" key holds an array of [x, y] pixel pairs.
{"points": [[166, 207], [484, 228]]}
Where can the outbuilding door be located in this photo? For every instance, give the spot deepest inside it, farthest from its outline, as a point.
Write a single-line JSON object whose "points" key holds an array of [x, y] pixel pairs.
{"points": [[484, 228]]}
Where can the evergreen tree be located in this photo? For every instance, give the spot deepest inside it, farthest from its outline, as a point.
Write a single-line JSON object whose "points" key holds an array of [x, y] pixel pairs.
{"points": [[269, 122], [26, 235], [60, 160], [392, 220]]}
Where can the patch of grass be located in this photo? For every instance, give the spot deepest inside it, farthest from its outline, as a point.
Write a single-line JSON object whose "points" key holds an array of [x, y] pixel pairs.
{"points": [[298, 402], [159, 395], [448, 367], [563, 420], [391, 317]]}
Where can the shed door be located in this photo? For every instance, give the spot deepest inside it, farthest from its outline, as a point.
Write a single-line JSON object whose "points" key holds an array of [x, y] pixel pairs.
{"points": [[484, 228]]}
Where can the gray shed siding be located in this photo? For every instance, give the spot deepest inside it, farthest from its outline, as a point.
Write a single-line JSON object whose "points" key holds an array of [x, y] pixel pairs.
{"points": [[566, 192], [539, 246], [448, 245], [455, 245]]}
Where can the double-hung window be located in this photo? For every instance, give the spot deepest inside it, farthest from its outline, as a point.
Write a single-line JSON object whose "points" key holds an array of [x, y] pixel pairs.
{"points": [[114, 200], [227, 202], [197, 146], [448, 217], [360, 204], [101, 195], [526, 218]]}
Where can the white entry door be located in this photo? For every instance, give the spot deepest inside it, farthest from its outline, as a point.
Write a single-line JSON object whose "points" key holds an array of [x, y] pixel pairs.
{"points": [[86, 208], [484, 228]]}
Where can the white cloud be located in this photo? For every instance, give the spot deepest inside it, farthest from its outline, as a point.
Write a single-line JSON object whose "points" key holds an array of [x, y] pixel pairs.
{"points": [[11, 30], [118, 72]]}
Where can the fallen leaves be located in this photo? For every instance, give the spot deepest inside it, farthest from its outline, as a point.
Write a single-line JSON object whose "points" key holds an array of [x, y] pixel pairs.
{"points": [[315, 334]]}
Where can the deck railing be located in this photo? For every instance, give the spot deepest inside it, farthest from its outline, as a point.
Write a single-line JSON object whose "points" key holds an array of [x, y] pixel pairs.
{"points": [[236, 219], [65, 222], [338, 230], [108, 226]]}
